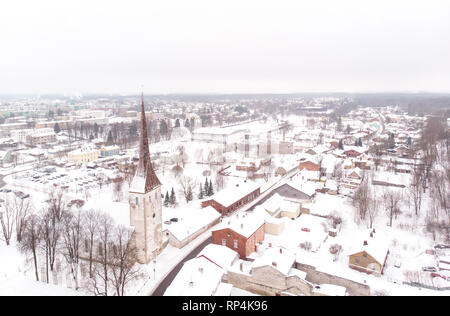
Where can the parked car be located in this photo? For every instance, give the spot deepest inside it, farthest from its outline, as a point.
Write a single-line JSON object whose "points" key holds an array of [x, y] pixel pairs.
{"points": [[25, 196], [306, 229], [437, 275], [429, 269], [167, 222], [174, 219], [442, 246]]}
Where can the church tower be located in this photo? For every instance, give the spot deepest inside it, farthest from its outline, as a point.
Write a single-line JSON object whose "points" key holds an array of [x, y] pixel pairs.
{"points": [[145, 201]]}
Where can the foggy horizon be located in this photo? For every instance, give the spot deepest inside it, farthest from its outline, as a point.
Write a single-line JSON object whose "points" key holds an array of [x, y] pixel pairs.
{"points": [[204, 47]]}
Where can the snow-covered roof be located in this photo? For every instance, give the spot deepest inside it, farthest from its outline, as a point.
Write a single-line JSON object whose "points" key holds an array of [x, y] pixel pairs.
{"points": [[307, 187], [245, 224], [389, 177], [202, 275], [278, 258], [277, 202], [197, 277], [377, 245], [197, 219], [233, 193], [220, 255], [330, 290]]}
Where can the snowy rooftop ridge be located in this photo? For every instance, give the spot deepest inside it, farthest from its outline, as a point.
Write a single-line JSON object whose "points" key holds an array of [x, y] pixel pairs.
{"points": [[234, 193]]}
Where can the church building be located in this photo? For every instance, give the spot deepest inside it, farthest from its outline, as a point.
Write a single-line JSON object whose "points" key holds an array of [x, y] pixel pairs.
{"points": [[145, 202]]}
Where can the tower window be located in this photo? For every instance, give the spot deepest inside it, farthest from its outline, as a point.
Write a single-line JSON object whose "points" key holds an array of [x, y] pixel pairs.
{"points": [[150, 199], [137, 201]]}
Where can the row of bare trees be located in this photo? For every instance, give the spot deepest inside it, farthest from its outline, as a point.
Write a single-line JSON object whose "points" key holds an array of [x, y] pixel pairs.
{"points": [[369, 201], [85, 240], [13, 213]]}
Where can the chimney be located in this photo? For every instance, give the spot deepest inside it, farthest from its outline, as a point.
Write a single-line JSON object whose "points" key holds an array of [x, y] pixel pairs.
{"points": [[281, 250], [270, 245], [373, 231], [274, 263], [365, 243], [242, 226], [371, 234], [200, 269], [191, 284]]}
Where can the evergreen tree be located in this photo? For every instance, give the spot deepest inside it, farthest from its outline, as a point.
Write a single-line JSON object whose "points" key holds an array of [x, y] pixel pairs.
{"points": [[187, 124], [177, 123], [166, 199], [340, 145], [205, 187], [356, 142], [172, 199], [201, 193], [56, 128], [210, 188], [348, 129], [109, 140], [339, 124], [360, 142], [189, 196], [163, 128]]}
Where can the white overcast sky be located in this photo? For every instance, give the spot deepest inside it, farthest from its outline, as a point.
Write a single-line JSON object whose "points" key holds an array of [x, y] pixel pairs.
{"points": [[228, 46]]}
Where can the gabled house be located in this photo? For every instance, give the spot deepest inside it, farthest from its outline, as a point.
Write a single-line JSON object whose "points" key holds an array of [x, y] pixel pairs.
{"points": [[371, 254], [240, 232]]}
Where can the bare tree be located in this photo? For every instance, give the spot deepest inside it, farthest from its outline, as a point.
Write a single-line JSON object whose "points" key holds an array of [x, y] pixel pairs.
{"points": [[91, 222], [361, 199], [373, 207], [187, 184], [391, 200], [57, 204], [22, 207], [335, 250], [51, 234], [338, 174], [31, 239], [117, 190], [101, 268], [7, 221], [220, 181], [415, 191], [440, 192], [72, 236], [182, 157], [123, 267]]}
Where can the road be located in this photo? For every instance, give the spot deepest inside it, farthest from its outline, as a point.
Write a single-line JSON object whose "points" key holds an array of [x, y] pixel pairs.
{"points": [[159, 291]]}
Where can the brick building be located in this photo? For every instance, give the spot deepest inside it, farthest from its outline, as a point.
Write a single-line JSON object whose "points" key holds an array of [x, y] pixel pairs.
{"points": [[241, 232], [352, 153], [308, 165], [233, 197]]}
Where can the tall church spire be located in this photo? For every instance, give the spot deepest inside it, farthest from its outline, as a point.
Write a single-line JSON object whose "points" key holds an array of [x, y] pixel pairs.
{"points": [[145, 169]]}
